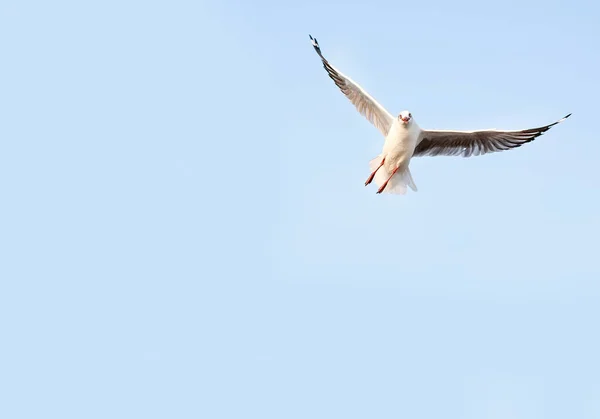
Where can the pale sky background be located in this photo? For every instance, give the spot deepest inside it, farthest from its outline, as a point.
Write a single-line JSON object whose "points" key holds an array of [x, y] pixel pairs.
{"points": [[185, 232]]}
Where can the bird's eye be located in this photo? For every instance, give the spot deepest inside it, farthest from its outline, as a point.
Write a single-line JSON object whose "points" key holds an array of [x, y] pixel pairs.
{"points": [[410, 115]]}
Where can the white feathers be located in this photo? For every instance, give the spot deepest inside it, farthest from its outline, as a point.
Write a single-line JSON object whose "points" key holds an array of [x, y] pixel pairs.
{"points": [[404, 139], [364, 103], [397, 184]]}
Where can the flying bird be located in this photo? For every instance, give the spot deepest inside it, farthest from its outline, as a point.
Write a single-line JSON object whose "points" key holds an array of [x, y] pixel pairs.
{"points": [[404, 139]]}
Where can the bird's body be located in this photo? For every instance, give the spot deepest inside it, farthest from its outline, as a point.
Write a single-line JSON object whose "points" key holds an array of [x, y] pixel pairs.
{"points": [[400, 143], [397, 151], [404, 139]]}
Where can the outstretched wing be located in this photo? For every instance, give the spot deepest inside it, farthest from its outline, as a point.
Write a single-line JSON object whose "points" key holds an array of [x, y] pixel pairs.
{"points": [[364, 103], [474, 143]]}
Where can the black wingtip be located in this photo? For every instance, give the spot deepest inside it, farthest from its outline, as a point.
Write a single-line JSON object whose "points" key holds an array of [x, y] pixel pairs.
{"points": [[563, 118], [315, 44]]}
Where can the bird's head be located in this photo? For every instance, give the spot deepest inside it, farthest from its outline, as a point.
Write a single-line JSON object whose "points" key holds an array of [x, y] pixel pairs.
{"points": [[405, 117]]}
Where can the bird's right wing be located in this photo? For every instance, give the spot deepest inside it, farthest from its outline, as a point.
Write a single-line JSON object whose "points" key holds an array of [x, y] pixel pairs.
{"points": [[364, 103], [475, 143]]}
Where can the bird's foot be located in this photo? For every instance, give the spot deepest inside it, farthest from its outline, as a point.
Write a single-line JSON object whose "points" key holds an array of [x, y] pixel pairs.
{"points": [[370, 179], [382, 187]]}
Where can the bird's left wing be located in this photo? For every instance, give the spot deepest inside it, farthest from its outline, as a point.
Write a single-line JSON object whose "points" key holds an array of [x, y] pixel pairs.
{"points": [[474, 143], [364, 103]]}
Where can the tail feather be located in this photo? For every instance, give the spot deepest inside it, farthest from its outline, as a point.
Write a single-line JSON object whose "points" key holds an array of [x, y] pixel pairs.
{"points": [[374, 164], [411, 182], [398, 183]]}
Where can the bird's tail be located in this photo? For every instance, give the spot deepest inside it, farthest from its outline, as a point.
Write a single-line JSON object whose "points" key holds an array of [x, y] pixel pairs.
{"points": [[397, 184]]}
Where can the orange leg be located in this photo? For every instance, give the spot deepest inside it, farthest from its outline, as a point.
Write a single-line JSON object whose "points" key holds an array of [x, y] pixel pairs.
{"points": [[370, 179], [386, 182]]}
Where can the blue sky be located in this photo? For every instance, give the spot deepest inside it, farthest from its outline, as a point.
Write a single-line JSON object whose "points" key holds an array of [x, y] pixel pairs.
{"points": [[185, 231]]}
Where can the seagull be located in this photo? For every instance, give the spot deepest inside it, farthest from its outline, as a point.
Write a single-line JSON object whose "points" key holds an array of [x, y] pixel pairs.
{"points": [[404, 139]]}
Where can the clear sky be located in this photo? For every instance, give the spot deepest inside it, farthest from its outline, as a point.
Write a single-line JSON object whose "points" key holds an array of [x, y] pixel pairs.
{"points": [[185, 232]]}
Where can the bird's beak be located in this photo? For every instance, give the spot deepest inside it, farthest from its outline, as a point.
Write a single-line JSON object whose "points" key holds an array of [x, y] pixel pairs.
{"points": [[405, 120]]}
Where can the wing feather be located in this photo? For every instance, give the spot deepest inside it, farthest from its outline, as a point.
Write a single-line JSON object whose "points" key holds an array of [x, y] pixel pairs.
{"points": [[475, 143], [364, 103]]}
